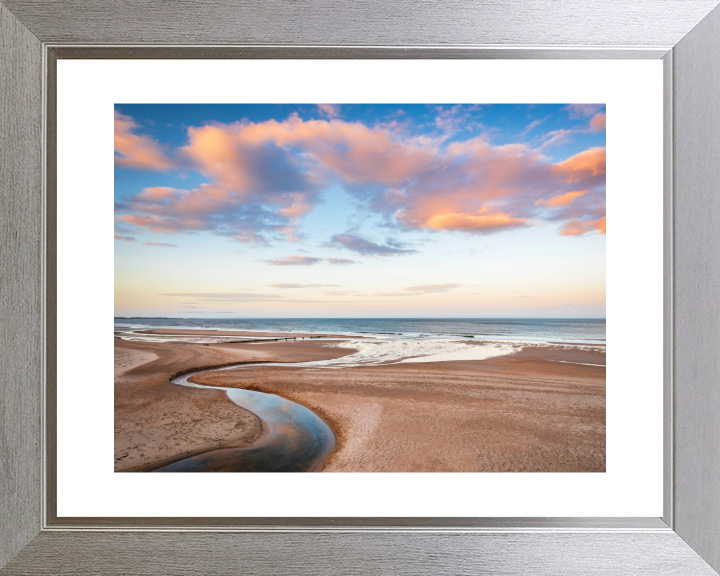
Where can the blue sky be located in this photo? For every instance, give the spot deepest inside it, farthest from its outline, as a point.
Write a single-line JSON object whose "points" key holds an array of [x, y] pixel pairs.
{"points": [[360, 210]]}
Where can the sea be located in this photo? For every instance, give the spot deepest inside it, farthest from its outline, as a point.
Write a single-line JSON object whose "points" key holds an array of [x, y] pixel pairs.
{"points": [[383, 340], [588, 331]]}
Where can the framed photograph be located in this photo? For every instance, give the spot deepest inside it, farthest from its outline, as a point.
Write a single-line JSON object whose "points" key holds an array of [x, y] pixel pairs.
{"points": [[373, 257]]}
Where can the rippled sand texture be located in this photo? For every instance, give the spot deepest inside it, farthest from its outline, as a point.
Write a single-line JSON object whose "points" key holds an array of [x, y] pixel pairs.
{"points": [[531, 411]]}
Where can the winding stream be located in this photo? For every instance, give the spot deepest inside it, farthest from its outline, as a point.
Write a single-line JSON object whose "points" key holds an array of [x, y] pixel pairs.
{"points": [[293, 439]]}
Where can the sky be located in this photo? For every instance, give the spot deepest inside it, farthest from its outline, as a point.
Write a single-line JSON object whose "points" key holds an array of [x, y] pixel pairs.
{"points": [[360, 211]]}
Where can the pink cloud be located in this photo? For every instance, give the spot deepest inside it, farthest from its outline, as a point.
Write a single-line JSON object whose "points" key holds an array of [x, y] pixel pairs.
{"points": [[137, 151], [255, 186], [580, 227], [497, 188], [478, 222], [557, 137], [329, 110], [582, 110], [562, 200], [160, 193], [346, 148], [264, 177], [158, 224], [125, 238], [584, 166], [597, 122]]}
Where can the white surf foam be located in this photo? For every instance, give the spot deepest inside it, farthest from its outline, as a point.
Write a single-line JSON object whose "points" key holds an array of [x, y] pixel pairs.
{"points": [[136, 336], [385, 349], [426, 350]]}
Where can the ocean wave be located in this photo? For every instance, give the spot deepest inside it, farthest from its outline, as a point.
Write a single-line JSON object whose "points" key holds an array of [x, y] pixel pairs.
{"points": [[589, 331]]}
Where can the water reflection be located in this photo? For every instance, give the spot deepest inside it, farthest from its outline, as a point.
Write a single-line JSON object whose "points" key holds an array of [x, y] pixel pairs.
{"points": [[294, 439]]}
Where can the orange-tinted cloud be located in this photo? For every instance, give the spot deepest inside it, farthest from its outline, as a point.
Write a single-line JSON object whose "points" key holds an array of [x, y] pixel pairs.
{"points": [[137, 151], [562, 200], [580, 227], [357, 153], [598, 122], [264, 177], [160, 193], [488, 189], [586, 165], [154, 223], [479, 222], [257, 185]]}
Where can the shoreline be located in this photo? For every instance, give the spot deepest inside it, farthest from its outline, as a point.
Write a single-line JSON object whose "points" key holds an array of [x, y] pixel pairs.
{"points": [[241, 333], [468, 339]]}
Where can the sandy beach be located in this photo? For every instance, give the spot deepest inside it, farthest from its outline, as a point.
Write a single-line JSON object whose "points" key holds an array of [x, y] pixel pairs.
{"points": [[541, 409], [156, 422]]}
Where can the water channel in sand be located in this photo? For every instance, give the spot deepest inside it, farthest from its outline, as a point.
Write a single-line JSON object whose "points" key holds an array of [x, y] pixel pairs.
{"points": [[294, 439]]}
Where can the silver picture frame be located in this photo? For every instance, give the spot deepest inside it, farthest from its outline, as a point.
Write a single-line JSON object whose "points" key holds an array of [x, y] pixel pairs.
{"points": [[685, 34]]}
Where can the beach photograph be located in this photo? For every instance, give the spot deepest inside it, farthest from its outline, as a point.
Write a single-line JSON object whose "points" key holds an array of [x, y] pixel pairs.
{"points": [[360, 288]]}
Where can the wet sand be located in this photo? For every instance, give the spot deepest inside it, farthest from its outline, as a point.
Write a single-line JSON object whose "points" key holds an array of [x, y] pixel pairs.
{"points": [[127, 359], [541, 409]]}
